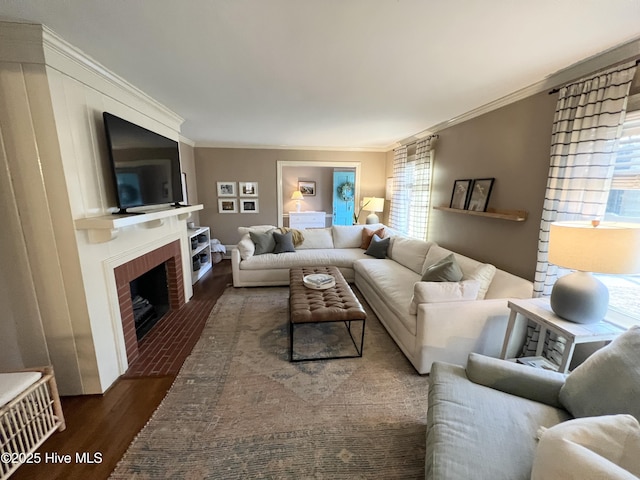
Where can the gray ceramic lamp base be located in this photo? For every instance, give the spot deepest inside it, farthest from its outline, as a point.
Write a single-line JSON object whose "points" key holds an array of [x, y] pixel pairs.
{"points": [[372, 218], [580, 298]]}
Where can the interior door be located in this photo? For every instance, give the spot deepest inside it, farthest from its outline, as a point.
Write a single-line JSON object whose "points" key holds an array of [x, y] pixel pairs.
{"points": [[344, 190]]}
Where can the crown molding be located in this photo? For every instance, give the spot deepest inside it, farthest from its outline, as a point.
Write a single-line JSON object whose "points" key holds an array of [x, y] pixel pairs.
{"points": [[291, 147], [619, 54], [29, 43], [68, 59], [187, 141]]}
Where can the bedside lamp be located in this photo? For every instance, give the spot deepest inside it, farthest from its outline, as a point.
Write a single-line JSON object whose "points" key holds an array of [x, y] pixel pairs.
{"points": [[610, 247], [373, 205], [297, 196]]}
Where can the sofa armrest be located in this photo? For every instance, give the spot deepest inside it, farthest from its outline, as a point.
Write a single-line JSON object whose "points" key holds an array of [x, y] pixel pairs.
{"points": [[235, 266], [521, 380]]}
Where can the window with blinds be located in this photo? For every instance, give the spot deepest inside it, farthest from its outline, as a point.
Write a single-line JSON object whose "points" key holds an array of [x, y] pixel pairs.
{"points": [[623, 205], [624, 197]]}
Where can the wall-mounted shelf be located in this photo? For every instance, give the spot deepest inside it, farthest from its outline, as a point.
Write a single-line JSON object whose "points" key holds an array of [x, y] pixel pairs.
{"points": [[511, 215], [105, 228]]}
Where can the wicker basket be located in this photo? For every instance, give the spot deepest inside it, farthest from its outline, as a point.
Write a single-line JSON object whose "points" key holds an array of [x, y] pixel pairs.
{"points": [[28, 420]]}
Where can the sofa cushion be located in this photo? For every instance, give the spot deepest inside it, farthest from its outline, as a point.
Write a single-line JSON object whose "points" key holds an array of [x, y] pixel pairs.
{"points": [[444, 270], [471, 269], [246, 247], [265, 243], [316, 238], [476, 432], [256, 228], [437, 292], [284, 242], [367, 235], [409, 252], [343, 258], [394, 283], [608, 382], [347, 236], [378, 247], [589, 449]]}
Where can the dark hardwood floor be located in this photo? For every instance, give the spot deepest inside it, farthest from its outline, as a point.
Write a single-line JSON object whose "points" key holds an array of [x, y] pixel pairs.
{"points": [[103, 426]]}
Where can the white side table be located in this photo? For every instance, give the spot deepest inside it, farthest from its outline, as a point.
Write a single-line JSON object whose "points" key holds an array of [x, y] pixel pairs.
{"points": [[539, 311]]}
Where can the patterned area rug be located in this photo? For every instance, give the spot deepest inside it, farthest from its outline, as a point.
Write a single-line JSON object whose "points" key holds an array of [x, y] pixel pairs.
{"points": [[239, 409]]}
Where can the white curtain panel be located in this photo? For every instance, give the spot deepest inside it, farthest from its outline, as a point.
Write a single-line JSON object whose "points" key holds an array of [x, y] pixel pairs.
{"points": [[586, 129], [399, 209], [420, 188]]}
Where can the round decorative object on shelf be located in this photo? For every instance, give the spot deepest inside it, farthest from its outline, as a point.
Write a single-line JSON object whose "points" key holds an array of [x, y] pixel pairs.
{"points": [[319, 281], [346, 191]]}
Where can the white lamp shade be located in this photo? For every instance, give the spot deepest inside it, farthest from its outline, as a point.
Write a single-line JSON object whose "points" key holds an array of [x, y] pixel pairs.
{"points": [[610, 247], [297, 195], [373, 204]]}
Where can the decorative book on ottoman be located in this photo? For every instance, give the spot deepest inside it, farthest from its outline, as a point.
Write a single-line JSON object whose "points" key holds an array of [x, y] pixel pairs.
{"points": [[319, 281]]}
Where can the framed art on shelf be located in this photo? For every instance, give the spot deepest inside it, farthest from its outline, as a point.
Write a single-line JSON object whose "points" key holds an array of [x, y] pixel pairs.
{"points": [[227, 189], [307, 188], [248, 189], [249, 205], [460, 194], [480, 192], [227, 205]]}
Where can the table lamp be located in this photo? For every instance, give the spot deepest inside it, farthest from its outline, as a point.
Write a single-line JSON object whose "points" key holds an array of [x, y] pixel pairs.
{"points": [[373, 205], [608, 247], [297, 196]]}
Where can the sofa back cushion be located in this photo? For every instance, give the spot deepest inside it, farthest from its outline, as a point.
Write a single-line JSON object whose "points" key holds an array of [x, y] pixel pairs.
{"points": [[246, 247], [316, 238], [256, 228], [589, 448], [471, 269], [347, 236], [409, 252], [608, 382]]}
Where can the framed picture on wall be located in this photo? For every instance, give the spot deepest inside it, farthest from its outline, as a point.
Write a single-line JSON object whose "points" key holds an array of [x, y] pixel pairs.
{"points": [[184, 189], [248, 189], [307, 188], [227, 189], [460, 194], [480, 192], [249, 205], [227, 205]]}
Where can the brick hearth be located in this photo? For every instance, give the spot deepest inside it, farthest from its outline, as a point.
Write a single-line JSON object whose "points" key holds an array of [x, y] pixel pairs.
{"points": [[129, 271]]}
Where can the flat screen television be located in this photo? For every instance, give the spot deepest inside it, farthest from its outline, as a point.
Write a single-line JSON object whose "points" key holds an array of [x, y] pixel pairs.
{"points": [[144, 164]]}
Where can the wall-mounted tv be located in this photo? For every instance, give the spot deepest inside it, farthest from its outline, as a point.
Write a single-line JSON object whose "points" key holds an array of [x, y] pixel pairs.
{"points": [[144, 164]]}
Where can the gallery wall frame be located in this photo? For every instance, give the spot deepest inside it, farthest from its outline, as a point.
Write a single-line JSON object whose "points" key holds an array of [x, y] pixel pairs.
{"points": [[248, 189], [249, 205], [227, 189], [227, 205]]}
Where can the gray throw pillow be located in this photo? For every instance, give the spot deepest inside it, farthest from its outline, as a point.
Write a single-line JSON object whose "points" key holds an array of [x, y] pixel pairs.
{"points": [[378, 247], [608, 382], [264, 242], [284, 242], [445, 270]]}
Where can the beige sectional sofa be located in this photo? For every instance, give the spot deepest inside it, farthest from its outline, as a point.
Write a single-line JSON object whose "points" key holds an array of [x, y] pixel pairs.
{"points": [[430, 321]]}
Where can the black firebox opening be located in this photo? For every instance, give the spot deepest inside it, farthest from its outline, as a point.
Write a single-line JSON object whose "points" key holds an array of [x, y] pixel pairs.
{"points": [[150, 298]]}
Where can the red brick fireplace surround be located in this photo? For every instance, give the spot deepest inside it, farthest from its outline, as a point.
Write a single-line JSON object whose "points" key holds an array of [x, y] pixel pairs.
{"points": [[129, 271]]}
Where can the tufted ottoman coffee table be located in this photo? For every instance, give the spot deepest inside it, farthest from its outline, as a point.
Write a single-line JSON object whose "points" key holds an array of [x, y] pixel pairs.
{"points": [[334, 304]]}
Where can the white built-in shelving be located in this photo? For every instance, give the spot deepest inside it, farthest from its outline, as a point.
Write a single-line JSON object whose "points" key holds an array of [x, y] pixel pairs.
{"points": [[200, 244]]}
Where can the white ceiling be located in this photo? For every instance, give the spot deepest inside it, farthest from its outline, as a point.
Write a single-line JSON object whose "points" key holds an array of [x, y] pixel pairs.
{"points": [[330, 73]]}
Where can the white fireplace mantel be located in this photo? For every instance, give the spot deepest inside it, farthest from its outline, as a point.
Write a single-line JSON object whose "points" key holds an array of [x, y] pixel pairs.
{"points": [[105, 228]]}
